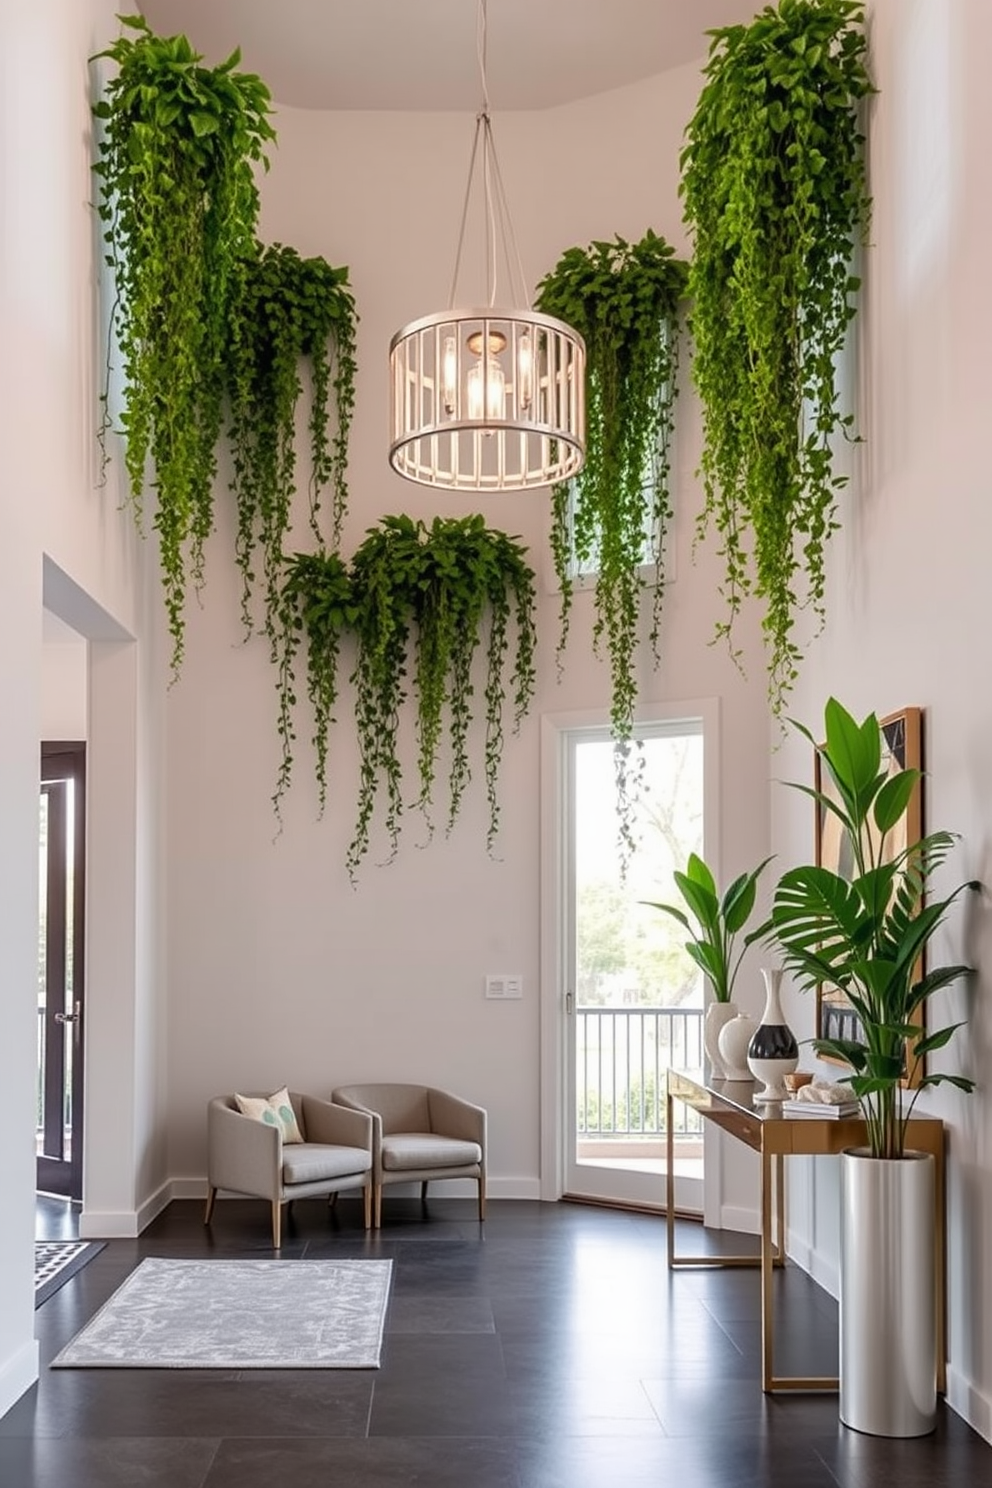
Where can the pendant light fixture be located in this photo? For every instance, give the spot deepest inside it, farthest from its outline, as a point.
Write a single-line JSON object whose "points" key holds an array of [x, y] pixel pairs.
{"points": [[487, 399]]}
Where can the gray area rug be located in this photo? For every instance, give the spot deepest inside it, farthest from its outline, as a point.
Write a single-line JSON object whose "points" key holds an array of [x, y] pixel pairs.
{"points": [[239, 1315], [56, 1260]]}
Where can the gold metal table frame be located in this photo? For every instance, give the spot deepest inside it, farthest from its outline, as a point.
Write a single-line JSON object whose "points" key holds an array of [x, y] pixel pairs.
{"points": [[729, 1104]]}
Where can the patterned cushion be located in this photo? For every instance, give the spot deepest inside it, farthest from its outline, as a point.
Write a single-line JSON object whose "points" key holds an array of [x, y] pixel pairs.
{"points": [[415, 1150], [273, 1110]]}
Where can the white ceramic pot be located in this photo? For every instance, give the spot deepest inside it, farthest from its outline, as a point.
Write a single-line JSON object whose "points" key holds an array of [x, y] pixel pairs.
{"points": [[888, 1372], [717, 1014], [733, 1043]]}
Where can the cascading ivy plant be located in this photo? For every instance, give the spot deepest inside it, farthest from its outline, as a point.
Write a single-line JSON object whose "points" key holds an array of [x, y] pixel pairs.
{"points": [[290, 310], [775, 196], [624, 300], [313, 604], [424, 599], [179, 207]]}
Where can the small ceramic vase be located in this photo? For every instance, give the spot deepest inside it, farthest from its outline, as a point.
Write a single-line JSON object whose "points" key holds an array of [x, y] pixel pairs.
{"points": [[734, 1039], [772, 1052], [718, 1014]]}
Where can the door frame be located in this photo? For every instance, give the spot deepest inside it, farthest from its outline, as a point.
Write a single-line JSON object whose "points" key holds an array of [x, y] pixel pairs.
{"points": [[64, 760], [554, 888]]}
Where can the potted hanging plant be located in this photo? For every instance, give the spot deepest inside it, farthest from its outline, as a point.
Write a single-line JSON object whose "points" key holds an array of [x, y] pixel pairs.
{"points": [[424, 600], [714, 927], [623, 298], [179, 207], [776, 201], [867, 936], [290, 311]]}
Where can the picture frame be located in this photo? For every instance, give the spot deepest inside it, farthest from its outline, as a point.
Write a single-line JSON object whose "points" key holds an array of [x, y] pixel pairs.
{"points": [[902, 745]]}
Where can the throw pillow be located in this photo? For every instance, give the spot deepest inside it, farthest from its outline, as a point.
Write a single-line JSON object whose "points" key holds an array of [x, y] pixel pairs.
{"points": [[273, 1110]]}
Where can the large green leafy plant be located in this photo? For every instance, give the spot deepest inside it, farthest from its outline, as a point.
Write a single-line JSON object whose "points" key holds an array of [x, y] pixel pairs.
{"points": [[424, 600], [775, 197], [867, 935], [623, 298], [179, 207], [717, 921], [291, 311]]}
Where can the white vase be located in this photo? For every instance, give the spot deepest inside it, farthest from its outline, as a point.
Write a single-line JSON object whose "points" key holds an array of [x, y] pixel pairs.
{"points": [[733, 1041], [717, 1014], [773, 1052]]}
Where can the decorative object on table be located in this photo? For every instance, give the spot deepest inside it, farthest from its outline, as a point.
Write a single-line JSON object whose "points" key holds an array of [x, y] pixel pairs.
{"points": [[733, 1042], [797, 1079], [867, 934], [775, 194], [247, 1314], [822, 1098], [773, 1052], [612, 519], [487, 399], [712, 945]]}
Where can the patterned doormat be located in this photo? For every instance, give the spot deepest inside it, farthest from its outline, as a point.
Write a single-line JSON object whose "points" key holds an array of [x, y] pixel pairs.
{"points": [[56, 1260]]}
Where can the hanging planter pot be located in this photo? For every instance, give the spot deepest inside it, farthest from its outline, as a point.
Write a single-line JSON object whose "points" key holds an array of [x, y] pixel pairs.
{"points": [[888, 1354]]}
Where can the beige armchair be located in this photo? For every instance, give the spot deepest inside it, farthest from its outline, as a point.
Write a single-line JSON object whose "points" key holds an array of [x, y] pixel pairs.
{"points": [[249, 1157], [419, 1134]]}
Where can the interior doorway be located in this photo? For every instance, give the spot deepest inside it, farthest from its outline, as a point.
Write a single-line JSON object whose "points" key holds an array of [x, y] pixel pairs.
{"points": [[61, 975]]}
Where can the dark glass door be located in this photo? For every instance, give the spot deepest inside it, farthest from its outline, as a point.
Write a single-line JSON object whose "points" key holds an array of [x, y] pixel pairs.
{"points": [[62, 856]]}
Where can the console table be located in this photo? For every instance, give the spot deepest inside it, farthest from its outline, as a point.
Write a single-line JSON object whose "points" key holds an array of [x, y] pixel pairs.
{"points": [[729, 1104]]}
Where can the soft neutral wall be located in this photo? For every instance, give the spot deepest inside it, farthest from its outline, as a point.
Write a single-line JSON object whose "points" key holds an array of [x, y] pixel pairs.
{"points": [[64, 542], [908, 579], [279, 970]]}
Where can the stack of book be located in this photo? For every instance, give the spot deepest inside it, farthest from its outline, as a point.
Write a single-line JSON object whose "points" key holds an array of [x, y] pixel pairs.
{"points": [[837, 1110]]}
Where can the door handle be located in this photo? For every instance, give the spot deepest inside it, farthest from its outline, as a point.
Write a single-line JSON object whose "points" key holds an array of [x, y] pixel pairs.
{"points": [[568, 1003], [72, 1017]]}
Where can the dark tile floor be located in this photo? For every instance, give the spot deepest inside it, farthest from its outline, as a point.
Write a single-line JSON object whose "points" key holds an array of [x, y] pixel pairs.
{"points": [[550, 1348]]}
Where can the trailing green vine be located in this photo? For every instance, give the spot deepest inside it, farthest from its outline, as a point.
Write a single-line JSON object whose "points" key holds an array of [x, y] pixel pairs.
{"points": [[775, 196], [179, 207], [313, 602], [290, 309], [624, 300], [424, 599]]}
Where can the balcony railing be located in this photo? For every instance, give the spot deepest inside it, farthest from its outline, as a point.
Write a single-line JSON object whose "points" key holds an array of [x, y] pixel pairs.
{"points": [[621, 1058]]}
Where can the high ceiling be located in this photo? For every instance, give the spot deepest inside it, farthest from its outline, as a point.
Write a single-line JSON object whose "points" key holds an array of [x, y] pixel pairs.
{"points": [[421, 54]]}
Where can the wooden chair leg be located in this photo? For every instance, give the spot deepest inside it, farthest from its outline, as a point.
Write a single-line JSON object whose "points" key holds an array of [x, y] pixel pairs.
{"points": [[423, 1192], [482, 1200], [367, 1195], [377, 1205], [332, 1199], [276, 1225], [211, 1197]]}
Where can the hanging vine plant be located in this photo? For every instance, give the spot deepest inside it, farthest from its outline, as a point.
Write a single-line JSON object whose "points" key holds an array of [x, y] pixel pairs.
{"points": [[775, 194], [424, 600], [313, 604], [179, 207], [291, 311], [624, 300]]}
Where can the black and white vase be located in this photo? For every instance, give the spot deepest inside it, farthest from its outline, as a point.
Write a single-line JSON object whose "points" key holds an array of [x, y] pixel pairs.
{"points": [[773, 1052]]}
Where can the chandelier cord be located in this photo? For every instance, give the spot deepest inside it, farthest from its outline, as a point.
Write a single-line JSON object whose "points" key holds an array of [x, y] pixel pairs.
{"points": [[496, 203]]}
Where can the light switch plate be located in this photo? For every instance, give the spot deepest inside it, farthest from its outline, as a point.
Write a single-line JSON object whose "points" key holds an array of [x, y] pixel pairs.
{"points": [[503, 986]]}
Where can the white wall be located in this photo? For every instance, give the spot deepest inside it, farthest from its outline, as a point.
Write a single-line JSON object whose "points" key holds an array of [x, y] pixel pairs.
{"points": [[908, 580], [64, 542], [278, 968]]}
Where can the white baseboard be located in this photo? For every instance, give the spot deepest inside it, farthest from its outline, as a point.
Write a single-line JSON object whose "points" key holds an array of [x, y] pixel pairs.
{"points": [[18, 1374], [744, 1221], [823, 1272], [971, 1403], [123, 1224]]}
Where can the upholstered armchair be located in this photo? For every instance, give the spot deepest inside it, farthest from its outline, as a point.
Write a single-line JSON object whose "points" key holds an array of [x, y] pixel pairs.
{"points": [[248, 1156], [419, 1134]]}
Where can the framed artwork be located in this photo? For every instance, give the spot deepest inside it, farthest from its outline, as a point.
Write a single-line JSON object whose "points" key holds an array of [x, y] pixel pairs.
{"points": [[902, 748]]}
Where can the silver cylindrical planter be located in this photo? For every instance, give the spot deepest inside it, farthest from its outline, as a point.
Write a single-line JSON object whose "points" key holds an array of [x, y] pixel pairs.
{"points": [[888, 1373]]}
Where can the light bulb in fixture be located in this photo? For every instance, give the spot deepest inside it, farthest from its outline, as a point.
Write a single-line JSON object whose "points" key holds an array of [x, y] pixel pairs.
{"points": [[449, 375], [486, 389], [525, 370]]}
